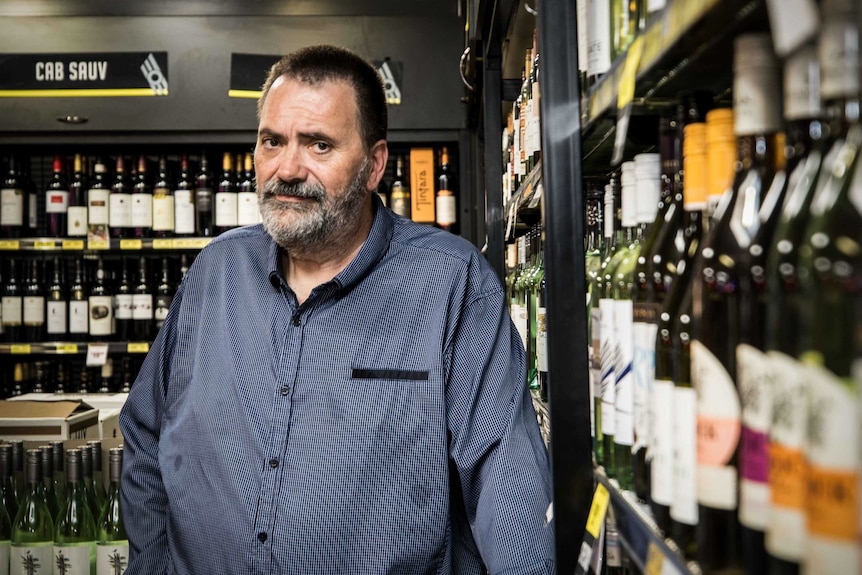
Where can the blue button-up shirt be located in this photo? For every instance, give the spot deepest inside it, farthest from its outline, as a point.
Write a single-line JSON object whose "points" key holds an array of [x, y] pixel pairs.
{"points": [[382, 426]]}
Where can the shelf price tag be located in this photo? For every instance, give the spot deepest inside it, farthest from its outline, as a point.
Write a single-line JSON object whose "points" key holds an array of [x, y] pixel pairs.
{"points": [[10, 245], [44, 244], [595, 521], [66, 348], [20, 349], [138, 347], [97, 245], [162, 244], [131, 244], [73, 245], [191, 243], [97, 354]]}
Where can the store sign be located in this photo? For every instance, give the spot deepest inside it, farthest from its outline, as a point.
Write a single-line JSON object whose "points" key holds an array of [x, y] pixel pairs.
{"points": [[84, 75], [248, 72]]}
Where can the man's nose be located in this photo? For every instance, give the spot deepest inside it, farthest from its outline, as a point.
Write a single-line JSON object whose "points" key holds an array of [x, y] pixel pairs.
{"points": [[291, 164]]}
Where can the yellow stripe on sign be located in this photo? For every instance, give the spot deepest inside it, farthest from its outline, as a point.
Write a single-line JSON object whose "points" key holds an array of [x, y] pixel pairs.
{"points": [[255, 94], [94, 93], [598, 510]]}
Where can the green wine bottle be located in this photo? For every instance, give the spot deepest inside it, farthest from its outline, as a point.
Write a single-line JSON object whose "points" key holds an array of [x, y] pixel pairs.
{"points": [[87, 479], [8, 499], [48, 479], [98, 479], [75, 531], [5, 539], [112, 545], [33, 528]]}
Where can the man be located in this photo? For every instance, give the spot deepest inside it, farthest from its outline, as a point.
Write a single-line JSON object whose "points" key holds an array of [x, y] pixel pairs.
{"points": [[337, 390]]}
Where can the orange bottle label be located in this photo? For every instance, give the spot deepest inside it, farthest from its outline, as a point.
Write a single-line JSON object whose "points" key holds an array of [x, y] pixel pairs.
{"points": [[833, 503], [787, 471]]}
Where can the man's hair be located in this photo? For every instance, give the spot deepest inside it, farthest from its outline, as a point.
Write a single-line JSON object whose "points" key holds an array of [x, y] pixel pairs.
{"points": [[315, 64]]}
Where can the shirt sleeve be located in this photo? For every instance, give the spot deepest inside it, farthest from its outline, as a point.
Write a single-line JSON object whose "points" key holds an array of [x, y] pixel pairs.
{"points": [[496, 444], [143, 498]]}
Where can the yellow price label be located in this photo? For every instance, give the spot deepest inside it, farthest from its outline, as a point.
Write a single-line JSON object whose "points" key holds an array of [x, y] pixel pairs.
{"points": [[138, 347], [97, 245], [599, 507], [162, 244], [626, 91], [654, 560], [20, 348], [73, 245], [191, 243], [67, 348], [10, 245], [44, 244], [131, 244]]}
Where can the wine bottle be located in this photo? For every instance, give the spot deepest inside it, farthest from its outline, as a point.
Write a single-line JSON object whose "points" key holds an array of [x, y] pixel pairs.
{"points": [[98, 202], [12, 303], [13, 204], [399, 193], [33, 314], [142, 304], [79, 311], [8, 497], [100, 305], [5, 537], [77, 217], [124, 304], [57, 201], [446, 208], [120, 202], [594, 243], [58, 454], [533, 286], [98, 478], [75, 531], [48, 479], [57, 305], [112, 545], [226, 198], [204, 200], [248, 211], [164, 295], [141, 217], [93, 501], [721, 293], [163, 202], [33, 527], [18, 466], [184, 201], [517, 309], [599, 39]]}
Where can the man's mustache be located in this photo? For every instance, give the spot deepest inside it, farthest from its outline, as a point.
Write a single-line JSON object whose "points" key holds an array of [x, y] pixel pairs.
{"points": [[277, 187]]}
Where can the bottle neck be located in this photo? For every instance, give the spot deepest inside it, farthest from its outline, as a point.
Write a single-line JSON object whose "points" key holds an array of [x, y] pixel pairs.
{"points": [[756, 150]]}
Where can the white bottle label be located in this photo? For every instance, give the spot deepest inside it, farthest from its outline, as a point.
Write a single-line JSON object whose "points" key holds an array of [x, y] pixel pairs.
{"points": [[662, 443], [123, 307], [142, 211], [754, 380], [519, 315], [12, 310], [683, 507], [112, 558], [838, 55], [11, 207], [644, 371], [34, 310], [56, 317], [718, 429], [120, 210], [446, 211], [163, 212], [31, 559], [75, 559], [56, 201], [541, 339], [101, 315], [581, 6], [97, 206], [226, 209], [184, 212], [755, 93], [247, 210], [79, 312], [624, 403], [142, 306], [77, 221], [655, 5], [598, 37], [608, 379]]}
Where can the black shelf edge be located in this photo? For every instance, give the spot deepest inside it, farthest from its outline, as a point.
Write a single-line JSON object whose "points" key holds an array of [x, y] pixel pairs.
{"points": [[65, 245]]}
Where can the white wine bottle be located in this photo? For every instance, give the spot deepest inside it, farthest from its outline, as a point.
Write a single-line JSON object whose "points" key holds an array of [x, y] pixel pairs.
{"points": [[75, 531], [33, 528], [112, 545]]}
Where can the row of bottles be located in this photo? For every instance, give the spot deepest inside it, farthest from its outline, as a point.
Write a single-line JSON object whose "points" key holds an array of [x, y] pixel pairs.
{"points": [[725, 329], [58, 299], [56, 515], [64, 374], [142, 198]]}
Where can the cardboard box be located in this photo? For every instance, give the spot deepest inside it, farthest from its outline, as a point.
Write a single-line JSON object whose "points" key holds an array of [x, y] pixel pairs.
{"points": [[422, 185], [48, 420], [97, 400]]}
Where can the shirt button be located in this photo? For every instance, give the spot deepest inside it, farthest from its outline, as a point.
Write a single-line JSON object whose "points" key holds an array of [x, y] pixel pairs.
{"points": [[285, 390], [261, 537], [273, 463]]}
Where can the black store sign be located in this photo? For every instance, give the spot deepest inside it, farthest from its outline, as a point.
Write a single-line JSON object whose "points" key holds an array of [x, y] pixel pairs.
{"points": [[85, 74]]}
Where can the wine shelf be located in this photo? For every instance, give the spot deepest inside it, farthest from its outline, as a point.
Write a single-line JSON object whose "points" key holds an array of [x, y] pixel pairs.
{"points": [[543, 415], [69, 348], [81, 245], [523, 209]]}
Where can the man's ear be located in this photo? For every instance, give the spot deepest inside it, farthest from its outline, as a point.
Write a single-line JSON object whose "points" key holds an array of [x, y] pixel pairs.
{"points": [[379, 157]]}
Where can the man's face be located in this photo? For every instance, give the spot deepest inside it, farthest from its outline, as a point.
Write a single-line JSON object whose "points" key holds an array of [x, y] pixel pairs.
{"points": [[314, 175]]}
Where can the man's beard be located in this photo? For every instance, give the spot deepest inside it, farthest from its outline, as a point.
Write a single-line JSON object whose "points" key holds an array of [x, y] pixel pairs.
{"points": [[320, 225]]}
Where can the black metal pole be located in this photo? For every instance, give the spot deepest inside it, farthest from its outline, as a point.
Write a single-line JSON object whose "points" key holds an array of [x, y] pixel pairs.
{"points": [[492, 194]]}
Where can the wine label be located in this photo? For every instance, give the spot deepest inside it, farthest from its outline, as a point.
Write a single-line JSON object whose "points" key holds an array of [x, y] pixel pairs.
{"points": [[446, 212], [56, 201], [838, 55], [608, 359], [56, 317], [112, 557], [519, 316], [97, 206], [204, 200], [163, 305], [624, 402], [598, 37], [718, 429], [101, 315], [142, 306], [662, 443], [32, 559], [184, 212], [72, 559], [644, 371], [34, 310], [755, 93], [247, 209], [163, 212], [142, 211], [683, 507], [120, 210], [802, 85], [226, 209], [833, 472], [12, 310], [583, 43], [11, 207], [77, 222], [123, 306], [79, 312], [541, 339], [754, 380]]}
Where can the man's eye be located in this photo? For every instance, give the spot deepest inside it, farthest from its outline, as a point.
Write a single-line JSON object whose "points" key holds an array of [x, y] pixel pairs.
{"points": [[321, 146], [269, 142]]}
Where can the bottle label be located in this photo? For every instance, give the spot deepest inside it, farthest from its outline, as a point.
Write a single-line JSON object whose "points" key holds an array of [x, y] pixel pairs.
{"points": [[184, 212], [838, 55], [56, 317], [446, 212], [32, 559], [683, 508], [72, 559], [662, 443], [34, 310], [598, 37], [718, 429], [624, 402], [120, 211], [79, 312], [12, 310], [123, 306], [56, 201], [247, 210], [112, 557], [77, 221], [97, 206], [755, 93], [519, 316], [644, 372], [11, 207], [204, 200], [142, 306], [163, 212], [101, 315], [142, 211], [833, 472], [754, 379], [226, 209], [608, 357], [541, 339], [163, 305]]}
